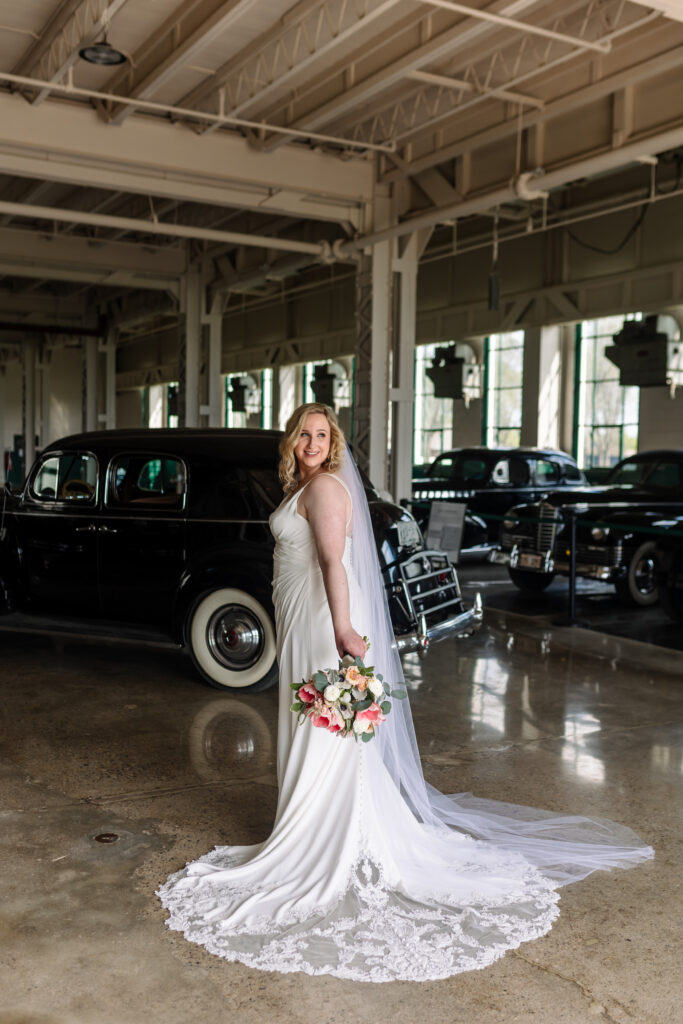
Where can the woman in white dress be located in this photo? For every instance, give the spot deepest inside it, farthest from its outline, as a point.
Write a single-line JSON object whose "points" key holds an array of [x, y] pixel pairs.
{"points": [[369, 872]]}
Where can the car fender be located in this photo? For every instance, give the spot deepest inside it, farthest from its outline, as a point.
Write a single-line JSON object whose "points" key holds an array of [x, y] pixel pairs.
{"points": [[241, 567]]}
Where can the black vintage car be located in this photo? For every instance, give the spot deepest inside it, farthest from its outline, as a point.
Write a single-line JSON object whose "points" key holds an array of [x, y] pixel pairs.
{"points": [[617, 527], [163, 535], [669, 564], [490, 481]]}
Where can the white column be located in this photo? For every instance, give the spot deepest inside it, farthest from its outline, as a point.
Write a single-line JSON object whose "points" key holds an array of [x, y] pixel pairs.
{"points": [[542, 387], [214, 320], [288, 394], [29, 404], [379, 376], [403, 394], [90, 381], [193, 328], [108, 417]]}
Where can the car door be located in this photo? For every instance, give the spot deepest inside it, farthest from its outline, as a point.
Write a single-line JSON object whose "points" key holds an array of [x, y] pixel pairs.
{"points": [[56, 523], [142, 537]]}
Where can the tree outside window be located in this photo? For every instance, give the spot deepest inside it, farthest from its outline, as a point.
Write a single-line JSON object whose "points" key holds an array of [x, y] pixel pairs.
{"points": [[503, 379], [605, 413]]}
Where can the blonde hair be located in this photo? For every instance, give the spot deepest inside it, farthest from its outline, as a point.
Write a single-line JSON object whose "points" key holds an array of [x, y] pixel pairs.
{"points": [[288, 470]]}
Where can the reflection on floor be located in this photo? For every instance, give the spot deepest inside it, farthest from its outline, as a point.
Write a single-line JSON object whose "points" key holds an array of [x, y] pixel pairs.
{"points": [[117, 740], [597, 606]]}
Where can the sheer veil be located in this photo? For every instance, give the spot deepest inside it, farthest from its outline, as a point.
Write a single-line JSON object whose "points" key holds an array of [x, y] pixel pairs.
{"points": [[564, 847]]}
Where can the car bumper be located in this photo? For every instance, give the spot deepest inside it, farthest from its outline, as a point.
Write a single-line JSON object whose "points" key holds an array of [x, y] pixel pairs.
{"points": [[604, 573], [465, 624]]}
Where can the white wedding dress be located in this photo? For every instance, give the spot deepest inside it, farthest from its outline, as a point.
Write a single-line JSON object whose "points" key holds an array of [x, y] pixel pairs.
{"points": [[350, 882]]}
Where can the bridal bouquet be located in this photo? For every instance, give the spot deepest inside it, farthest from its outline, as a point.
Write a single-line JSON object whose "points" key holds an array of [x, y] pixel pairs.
{"points": [[351, 699]]}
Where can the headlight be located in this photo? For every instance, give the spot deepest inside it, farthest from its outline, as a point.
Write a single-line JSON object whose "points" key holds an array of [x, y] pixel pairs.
{"points": [[600, 532], [510, 522]]}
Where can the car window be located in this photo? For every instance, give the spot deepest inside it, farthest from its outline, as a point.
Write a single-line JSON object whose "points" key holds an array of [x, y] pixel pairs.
{"points": [[147, 481], [267, 490], [519, 472], [627, 474], [547, 472], [70, 477], [442, 468], [571, 472], [665, 474]]}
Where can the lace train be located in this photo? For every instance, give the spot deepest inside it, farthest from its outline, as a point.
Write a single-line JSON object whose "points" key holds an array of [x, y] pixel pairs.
{"points": [[368, 932]]}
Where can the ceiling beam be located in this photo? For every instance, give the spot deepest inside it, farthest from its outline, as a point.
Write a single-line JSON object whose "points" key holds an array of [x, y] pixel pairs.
{"points": [[515, 25], [203, 24], [671, 60], [69, 143], [443, 45], [286, 51], [57, 257]]}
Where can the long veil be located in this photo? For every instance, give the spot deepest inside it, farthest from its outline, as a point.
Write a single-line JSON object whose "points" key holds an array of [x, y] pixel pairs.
{"points": [[563, 847]]}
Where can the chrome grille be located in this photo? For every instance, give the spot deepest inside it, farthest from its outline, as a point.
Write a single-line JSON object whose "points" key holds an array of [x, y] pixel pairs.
{"points": [[590, 554], [434, 591], [547, 527]]}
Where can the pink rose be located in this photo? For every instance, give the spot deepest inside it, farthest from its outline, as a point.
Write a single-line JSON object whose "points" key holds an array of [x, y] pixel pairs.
{"points": [[307, 693], [327, 718], [371, 714]]}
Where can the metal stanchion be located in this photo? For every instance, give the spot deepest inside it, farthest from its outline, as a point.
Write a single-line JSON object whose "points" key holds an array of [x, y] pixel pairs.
{"points": [[570, 618]]}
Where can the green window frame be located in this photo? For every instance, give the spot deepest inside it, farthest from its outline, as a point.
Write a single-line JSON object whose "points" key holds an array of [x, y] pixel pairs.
{"points": [[432, 417], [503, 389], [605, 427]]}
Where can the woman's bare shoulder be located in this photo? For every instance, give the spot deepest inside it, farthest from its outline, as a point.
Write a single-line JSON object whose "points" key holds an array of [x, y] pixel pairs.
{"points": [[325, 490]]}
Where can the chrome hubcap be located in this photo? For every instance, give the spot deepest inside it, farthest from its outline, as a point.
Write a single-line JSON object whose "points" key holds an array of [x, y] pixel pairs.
{"points": [[235, 637], [644, 575]]}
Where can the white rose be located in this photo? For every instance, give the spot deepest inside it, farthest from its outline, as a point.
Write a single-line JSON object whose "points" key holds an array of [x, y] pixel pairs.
{"points": [[361, 726], [345, 697], [375, 687], [331, 693], [347, 660]]}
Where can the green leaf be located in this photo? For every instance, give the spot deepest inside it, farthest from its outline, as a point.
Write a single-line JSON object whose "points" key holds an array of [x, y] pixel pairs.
{"points": [[361, 705], [295, 686], [320, 681], [367, 736], [359, 661], [296, 706], [399, 694], [386, 707], [380, 677]]}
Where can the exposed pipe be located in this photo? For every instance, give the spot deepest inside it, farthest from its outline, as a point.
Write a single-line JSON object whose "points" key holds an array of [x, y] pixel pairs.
{"points": [[545, 182], [320, 250], [188, 112], [521, 26]]}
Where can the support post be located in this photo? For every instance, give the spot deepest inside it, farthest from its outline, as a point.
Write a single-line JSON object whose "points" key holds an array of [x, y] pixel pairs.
{"points": [[189, 350], [402, 394], [108, 347], [28, 426], [214, 320], [89, 348], [374, 287]]}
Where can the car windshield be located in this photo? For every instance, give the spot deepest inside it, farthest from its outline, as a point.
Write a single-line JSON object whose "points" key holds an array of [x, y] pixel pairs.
{"points": [[661, 473], [465, 467]]}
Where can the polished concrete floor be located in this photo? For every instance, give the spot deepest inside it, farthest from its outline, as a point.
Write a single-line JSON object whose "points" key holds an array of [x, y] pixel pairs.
{"points": [[99, 740]]}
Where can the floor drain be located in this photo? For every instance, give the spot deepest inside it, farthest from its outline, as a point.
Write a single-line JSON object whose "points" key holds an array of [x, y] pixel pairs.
{"points": [[106, 837]]}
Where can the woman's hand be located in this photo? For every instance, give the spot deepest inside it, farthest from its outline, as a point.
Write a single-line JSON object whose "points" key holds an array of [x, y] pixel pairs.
{"points": [[350, 642]]}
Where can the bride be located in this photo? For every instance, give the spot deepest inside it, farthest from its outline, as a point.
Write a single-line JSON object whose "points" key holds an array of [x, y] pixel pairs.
{"points": [[369, 873]]}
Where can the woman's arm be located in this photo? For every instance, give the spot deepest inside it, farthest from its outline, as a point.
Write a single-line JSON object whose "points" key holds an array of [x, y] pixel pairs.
{"points": [[326, 505]]}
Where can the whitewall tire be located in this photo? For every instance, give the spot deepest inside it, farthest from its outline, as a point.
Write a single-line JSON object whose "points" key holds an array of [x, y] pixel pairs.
{"points": [[231, 637]]}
